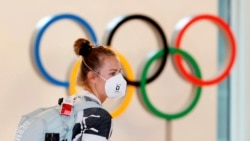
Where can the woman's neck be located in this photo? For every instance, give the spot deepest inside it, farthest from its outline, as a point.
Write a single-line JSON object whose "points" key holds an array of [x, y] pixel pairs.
{"points": [[101, 97]]}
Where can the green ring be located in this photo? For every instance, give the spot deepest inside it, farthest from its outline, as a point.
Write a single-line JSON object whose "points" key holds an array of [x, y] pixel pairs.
{"points": [[143, 92]]}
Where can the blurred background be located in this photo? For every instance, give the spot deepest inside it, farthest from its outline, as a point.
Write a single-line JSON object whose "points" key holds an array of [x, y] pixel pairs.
{"points": [[222, 110]]}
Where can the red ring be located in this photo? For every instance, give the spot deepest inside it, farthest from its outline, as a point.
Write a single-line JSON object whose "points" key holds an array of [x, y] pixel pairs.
{"points": [[226, 29]]}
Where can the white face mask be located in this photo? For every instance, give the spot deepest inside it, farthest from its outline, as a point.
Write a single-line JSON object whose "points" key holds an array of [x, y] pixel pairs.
{"points": [[115, 86]]}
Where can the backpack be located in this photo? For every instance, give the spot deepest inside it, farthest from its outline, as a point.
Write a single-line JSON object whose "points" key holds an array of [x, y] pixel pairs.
{"points": [[50, 122]]}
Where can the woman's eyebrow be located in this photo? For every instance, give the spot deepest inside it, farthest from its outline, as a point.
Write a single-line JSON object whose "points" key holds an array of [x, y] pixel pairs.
{"points": [[120, 69]]}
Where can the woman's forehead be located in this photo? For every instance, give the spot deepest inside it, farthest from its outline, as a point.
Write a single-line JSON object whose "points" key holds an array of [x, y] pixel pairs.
{"points": [[110, 63]]}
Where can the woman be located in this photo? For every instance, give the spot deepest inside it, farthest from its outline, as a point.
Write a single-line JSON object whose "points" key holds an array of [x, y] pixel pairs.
{"points": [[100, 77]]}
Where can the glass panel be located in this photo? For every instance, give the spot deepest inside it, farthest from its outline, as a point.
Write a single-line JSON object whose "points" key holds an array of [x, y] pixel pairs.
{"points": [[223, 88]]}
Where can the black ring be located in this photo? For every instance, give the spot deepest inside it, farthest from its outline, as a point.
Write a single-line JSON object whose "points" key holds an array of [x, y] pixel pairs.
{"points": [[117, 22]]}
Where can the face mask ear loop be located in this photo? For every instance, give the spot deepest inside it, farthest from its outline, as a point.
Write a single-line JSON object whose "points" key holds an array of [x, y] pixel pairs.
{"points": [[101, 77], [92, 70], [83, 60]]}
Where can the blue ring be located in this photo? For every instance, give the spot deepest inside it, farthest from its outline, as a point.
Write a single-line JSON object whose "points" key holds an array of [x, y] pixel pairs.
{"points": [[41, 28]]}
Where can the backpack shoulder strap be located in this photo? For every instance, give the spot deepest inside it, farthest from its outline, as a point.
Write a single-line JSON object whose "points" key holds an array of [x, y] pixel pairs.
{"points": [[86, 102]]}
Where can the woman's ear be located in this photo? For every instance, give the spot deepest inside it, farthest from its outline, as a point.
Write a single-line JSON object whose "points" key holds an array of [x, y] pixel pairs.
{"points": [[91, 76]]}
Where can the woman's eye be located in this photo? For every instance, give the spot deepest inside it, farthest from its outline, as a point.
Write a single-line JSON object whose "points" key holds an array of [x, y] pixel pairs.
{"points": [[113, 74]]}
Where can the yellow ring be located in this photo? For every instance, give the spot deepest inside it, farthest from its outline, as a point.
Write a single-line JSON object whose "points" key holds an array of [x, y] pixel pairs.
{"points": [[130, 89], [73, 77]]}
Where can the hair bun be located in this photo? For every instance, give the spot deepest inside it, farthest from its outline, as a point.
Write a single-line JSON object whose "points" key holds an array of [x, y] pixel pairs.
{"points": [[85, 49], [82, 47]]}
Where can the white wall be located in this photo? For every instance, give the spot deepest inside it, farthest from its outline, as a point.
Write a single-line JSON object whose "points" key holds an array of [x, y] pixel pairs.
{"points": [[23, 90]]}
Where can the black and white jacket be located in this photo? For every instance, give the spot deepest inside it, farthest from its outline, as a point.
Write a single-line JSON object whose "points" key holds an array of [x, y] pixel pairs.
{"points": [[93, 123]]}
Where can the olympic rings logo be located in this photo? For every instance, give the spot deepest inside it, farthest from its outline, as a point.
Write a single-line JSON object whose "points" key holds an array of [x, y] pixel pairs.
{"points": [[172, 49]]}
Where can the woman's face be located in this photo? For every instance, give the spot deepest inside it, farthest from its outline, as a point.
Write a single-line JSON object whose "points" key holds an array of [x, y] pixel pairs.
{"points": [[110, 67]]}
